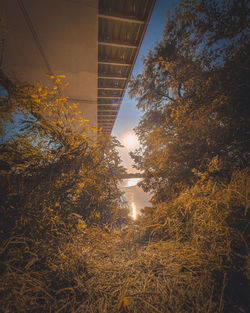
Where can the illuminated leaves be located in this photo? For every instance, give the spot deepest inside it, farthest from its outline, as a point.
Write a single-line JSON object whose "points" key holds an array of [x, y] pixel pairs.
{"points": [[58, 180], [81, 225], [194, 141], [46, 103], [125, 302], [57, 146], [195, 104]]}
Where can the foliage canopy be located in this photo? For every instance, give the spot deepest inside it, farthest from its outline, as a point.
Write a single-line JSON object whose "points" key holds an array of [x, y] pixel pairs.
{"points": [[194, 91], [194, 135], [60, 250]]}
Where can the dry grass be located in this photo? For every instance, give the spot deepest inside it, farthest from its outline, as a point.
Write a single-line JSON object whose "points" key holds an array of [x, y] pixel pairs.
{"points": [[93, 274], [186, 262], [155, 278]]}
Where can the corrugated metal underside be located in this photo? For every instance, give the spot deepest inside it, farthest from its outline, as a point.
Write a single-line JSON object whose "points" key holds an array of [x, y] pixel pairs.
{"points": [[122, 24]]}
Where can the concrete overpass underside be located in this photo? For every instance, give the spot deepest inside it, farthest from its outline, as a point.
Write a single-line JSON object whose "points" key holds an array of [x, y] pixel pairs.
{"points": [[94, 43]]}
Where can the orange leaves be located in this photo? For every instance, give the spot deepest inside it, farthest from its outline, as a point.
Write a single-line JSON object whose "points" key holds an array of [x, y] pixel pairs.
{"points": [[125, 301], [80, 222], [163, 63], [60, 76], [50, 103], [81, 225], [50, 76]]}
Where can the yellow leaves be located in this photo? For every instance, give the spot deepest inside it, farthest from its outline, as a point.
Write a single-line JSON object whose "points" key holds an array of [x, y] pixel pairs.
{"points": [[209, 81], [55, 218], [215, 164], [97, 214], [34, 96], [77, 215], [125, 302], [204, 176], [153, 246], [162, 62], [44, 93], [49, 102], [81, 225], [58, 81], [55, 76], [50, 76], [57, 204]]}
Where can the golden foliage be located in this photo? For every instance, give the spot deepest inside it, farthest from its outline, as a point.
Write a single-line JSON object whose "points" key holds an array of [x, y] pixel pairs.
{"points": [[60, 248]]}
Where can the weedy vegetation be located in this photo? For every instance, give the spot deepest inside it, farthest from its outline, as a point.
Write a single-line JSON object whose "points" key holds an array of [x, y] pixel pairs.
{"points": [[67, 243]]}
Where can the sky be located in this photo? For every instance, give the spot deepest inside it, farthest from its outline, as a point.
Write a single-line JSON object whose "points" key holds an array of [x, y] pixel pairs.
{"points": [[129, 116]]}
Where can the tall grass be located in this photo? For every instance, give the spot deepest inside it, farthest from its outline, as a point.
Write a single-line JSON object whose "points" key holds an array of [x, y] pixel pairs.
{"points": [[191, 257]]}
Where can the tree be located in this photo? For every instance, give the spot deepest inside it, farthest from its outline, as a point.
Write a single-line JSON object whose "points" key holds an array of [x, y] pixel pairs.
{"points": [[194, 136], [54, 157], [193, 91], [58, 181]]}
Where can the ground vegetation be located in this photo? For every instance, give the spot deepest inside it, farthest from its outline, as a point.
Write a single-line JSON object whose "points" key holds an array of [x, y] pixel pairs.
{"points": [[67, 244]]}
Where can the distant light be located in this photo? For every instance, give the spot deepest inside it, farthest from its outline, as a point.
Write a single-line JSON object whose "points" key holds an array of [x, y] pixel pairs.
{"points": [[134, 214], [130, 141]]}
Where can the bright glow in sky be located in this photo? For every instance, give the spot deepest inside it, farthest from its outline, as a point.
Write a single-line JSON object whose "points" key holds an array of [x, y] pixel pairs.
{"points": [[129, 115], [130, 141]]}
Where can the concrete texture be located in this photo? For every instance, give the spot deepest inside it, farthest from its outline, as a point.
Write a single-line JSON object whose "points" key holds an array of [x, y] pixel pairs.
{"points": [[56, 37]]}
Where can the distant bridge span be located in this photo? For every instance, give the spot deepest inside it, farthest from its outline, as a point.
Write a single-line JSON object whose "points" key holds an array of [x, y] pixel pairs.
{"points": [[137, 175]]}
